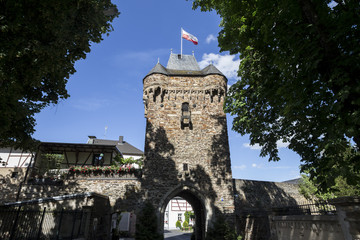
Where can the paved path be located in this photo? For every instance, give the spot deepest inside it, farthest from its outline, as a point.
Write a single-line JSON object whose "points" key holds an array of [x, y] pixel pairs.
{"points": [[176, 235]]}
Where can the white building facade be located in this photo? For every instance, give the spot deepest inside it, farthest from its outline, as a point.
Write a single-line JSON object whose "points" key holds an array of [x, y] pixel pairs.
{"points": [[175, 211]]}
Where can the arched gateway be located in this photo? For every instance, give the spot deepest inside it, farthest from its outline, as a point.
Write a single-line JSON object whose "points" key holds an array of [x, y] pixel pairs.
{"points": [[186, 144]]}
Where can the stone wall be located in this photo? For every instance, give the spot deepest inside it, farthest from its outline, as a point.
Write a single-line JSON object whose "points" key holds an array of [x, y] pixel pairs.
{"points": [[253, 195], [254, 200], [306, 227]]}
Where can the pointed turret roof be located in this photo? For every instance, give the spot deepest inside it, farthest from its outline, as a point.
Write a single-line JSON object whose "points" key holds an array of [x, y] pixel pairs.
{"points": [[158, 69], [211, 69]]}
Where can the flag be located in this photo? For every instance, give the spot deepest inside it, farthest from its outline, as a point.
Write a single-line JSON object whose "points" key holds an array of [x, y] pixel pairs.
{"points": [[189, 37]]}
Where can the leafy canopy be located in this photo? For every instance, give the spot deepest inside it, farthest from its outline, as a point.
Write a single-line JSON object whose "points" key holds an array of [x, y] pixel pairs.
{"points": [[299, 78], [39, 45], [309, 189]]}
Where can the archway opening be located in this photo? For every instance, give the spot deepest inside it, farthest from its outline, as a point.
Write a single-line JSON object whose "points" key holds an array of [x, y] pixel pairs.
{"points": [[174, 210]]}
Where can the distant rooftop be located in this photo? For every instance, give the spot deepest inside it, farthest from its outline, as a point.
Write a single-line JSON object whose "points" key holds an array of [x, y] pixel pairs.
{"points": [[124, 147], [183, 66], [294, 181]]}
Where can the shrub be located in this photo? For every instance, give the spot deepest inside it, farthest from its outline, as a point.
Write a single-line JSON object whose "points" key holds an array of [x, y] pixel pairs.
{"points": [[146, 227], [185, 225], [178, 224], [188, 215], [221, 230]]}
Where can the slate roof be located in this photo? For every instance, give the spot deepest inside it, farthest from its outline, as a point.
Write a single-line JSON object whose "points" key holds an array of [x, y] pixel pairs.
{"points": [[124, 147], [73, 147], [184, 62], [183, 66]]}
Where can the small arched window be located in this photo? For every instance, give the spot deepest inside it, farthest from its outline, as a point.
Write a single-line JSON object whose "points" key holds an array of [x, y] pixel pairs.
{"points": [[185, 116], [185, 107]]}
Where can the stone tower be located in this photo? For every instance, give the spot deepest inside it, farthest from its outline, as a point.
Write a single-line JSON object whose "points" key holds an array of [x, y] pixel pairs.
{"points": [[186, 144]]}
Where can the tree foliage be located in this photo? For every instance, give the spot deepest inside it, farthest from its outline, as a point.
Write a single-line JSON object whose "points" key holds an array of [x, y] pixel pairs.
{"points": [[309, 189], [40, 42], [146, 226], [119, 160], [299, 78], [188, 215], [220, 229]]}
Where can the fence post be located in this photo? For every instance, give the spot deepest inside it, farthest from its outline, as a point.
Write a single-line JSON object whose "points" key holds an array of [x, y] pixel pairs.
{"points": [[58, 230], [73, 226], [348, 212], [41, 222], [15, 224], [81, 219]]}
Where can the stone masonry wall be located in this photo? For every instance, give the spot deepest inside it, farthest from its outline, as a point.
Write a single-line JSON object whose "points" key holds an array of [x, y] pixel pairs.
{"points": [[123, 194], [254, 199]]}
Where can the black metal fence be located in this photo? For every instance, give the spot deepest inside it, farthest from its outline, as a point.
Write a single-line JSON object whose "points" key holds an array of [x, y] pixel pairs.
{"points": [[319, 207], [21, 223]]}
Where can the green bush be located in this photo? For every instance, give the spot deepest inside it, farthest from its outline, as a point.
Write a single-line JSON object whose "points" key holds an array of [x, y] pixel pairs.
{"points": [[178, 224], [146, 227], [185, 224], [221, 230], [188, 215]]}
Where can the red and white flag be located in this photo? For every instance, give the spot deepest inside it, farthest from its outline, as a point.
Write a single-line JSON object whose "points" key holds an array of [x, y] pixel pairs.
{"points": [[189, 37]]}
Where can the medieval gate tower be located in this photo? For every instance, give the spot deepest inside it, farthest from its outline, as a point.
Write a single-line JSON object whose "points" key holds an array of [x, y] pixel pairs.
{"points": [[186, 144]]}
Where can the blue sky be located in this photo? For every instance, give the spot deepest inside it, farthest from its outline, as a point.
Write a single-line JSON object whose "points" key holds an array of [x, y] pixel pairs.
{"points": [[106, 90]]}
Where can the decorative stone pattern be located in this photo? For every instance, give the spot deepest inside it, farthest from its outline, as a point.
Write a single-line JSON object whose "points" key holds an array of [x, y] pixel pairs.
{"points": [[187, 153]]}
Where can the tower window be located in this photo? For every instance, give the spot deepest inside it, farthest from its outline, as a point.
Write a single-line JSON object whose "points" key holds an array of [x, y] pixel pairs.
{"points": [[185, 116], [185, 107], [185, 167]]}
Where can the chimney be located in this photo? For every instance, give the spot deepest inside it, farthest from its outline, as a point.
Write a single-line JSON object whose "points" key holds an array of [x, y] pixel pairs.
{"points": [[91, 139], [121, 139]]}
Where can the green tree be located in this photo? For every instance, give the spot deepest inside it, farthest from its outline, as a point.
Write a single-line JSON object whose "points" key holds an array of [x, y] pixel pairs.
{"points": [[299, 80], [220, 229], [39, 45], [146, 226], [309, 189]]}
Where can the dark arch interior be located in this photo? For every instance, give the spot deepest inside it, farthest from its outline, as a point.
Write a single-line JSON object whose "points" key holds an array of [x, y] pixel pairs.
{"points": [[199, 211]]}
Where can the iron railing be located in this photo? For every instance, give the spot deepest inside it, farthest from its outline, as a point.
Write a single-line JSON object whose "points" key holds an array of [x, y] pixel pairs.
{"points": [[21, 223], [318, 207]]}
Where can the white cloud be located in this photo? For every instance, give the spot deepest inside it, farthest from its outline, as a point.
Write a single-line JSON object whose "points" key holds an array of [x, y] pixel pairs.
{"points": [[280, 144], [90, 104], [210, 38], [227, 64], [252, 147], [241, 167], [281, 167]]}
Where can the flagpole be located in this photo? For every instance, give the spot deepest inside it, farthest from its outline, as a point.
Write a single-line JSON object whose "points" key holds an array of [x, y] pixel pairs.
{"points": [[181, 43]]}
